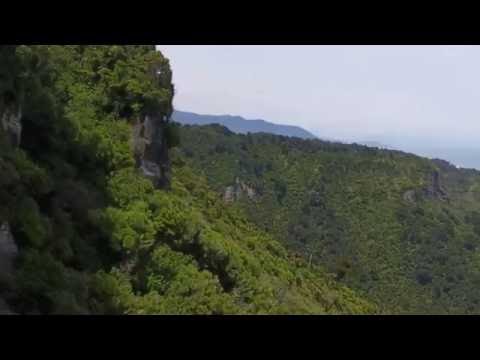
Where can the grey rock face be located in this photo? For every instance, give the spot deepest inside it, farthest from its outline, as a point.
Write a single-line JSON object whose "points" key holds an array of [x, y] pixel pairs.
{"points": [[235, 192], [316, 199], [10, 121], [151, 151], [434, 190], [229, 194], [409, 196], [8, 250]]}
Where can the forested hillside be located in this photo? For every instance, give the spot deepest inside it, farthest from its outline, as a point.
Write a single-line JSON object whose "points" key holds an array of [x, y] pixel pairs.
{"points": [[109, 207], [94, 219], [402, 230]]}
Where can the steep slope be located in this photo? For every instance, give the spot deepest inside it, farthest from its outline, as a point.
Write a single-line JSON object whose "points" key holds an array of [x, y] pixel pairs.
{"points": [[70, 112], [206, 259], [92, 220], [240, 125], [400, 229]]}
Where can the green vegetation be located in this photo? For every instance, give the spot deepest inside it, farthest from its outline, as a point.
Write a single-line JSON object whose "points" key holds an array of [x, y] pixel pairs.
{"points": [[186, 254], [375, 219], [249, 224], [94, 235]]}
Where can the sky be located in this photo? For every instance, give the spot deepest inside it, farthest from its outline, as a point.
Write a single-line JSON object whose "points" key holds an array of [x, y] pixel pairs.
{"points": [[401, 95]]}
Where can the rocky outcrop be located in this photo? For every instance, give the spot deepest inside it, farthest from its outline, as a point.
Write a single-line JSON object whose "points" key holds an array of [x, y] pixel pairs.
{"points": [[150, 133], [10, 122], [410, 196], [229, 194], [249, 191], [316, 199], [10, 94], [8, 250], [235, 192], [434, 190], [151, 150]]}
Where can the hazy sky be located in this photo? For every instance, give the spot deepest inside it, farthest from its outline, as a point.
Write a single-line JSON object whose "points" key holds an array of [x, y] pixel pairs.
{"points": [[342, 92]]}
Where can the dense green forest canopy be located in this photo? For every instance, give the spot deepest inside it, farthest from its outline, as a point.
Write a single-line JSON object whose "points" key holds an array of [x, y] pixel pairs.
{"points": [[94, 234], [243, 224], [401, 230]]}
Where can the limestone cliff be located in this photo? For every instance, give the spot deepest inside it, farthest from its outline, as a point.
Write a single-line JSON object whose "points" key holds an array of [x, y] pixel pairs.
{"points": [[8, 248], [151, 150], [433, 190], [150, 135], [10, 121], [10, 108], [236, 191]]}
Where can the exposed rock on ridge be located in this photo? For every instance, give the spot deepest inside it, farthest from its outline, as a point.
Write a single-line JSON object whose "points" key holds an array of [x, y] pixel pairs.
{"points": [[434, 190], [151, 150], [235, 192]]}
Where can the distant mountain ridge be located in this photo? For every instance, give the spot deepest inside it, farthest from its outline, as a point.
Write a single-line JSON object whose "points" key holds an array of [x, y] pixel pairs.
{"points": [[241, 125]]}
